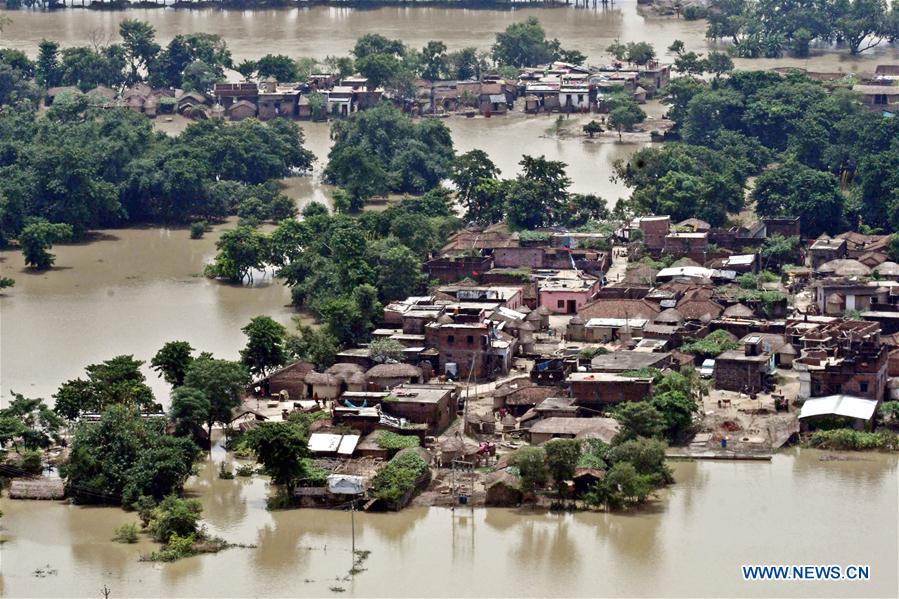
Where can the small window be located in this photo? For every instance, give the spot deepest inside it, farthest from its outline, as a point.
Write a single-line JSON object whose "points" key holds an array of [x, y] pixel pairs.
{"points": [[561, 304], [470, 339], [880, 99], [863, 387], [450, 338]]}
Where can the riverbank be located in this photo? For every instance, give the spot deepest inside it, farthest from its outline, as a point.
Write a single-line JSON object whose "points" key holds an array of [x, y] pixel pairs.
{"points": [[691, 543]]}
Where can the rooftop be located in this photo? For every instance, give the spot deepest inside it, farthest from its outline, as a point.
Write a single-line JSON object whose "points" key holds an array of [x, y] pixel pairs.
{"points": [[621, 361]]}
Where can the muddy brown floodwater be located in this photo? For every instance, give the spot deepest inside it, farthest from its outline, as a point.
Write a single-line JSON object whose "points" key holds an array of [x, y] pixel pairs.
{"points": [[795, 510], [320, 31]]}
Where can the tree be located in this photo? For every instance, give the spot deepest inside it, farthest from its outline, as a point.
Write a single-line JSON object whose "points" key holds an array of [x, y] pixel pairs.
{"points": [[47, 69], [777, 251], [638, 419], [624, 482], [718, 63], [278, 66], [29, 420], [139, 42], [640, 53], [385, 350], [646, 455], [246, 68], [538, 195], [676, 397], [561, 460], [617, 49], [315, 345], [282, 450], [73, 398], [241, 250], [471, 171], [531, 464], [265, 345], [381, 149], [222, 382], [861, 23], [522, 45], [793, 189], [379, 69], [200, 77], [174, 518], [624, 114], [399, 273], [190, 411], [592, 128], [39, 236], [122, 456], [6, 282], [172, 360], [435, 61]]}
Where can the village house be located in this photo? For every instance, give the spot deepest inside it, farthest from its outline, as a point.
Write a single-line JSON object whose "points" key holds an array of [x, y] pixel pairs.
{"points": [[475, 349], [290, 379], [603, 429], [824, 249], [556, 407], [604, 330], [598, 390], [879, 98], [844, 357], [834, 296], [628, 360], [748, 369], [432, 405], [387, 376], [654, 229], [565, 291]]}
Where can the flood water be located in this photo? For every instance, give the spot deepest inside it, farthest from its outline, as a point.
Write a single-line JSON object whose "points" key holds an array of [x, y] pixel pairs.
{"points": [[320, 31], [692, 542], [131, 290]]}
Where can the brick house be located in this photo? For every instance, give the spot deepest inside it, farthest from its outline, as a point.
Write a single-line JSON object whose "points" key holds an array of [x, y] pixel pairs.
{"points": [[599, 389], [746, 370]]}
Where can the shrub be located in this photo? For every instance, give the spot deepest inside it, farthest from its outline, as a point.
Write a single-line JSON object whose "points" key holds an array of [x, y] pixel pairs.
{"points": [[848, 439], [126, 533], [531, 463], [32, 462], [197, 229], [695, 12], [712, 345], [245, 470], [174, 516], [398, 477], [175, 549], [390, 440], [225, 473]]}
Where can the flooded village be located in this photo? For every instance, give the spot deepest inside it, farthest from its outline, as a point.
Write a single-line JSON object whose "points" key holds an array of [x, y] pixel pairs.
{"points": [[415, 392]]}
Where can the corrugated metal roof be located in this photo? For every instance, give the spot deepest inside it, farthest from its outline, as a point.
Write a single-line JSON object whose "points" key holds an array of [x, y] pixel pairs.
{"points": [[840, 405]]}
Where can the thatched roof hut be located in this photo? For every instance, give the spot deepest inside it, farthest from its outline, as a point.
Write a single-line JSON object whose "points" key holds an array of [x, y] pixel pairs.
{"points": [[738, 311], [389, 375], [844, 268], [503, 489], [44, 487]]}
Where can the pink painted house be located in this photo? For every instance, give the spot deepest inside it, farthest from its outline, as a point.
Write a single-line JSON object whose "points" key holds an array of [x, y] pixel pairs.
{"points": [[566, 291]]}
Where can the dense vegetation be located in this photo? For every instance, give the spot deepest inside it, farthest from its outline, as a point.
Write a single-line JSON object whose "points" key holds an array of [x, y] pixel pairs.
{"points": [[537, 197], [87, 168], [633, 468], [770, 28], [381, 150], [396, 479], [818, 154]]}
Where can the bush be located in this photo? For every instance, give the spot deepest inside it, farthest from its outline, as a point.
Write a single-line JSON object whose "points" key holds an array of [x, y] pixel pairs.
{"points": [[531, 464], [712, 345], [390, 440], [695, 12], [398, 477], [848, 439], [177, 548], [245, 470], [32, 462], [126, 533], [224, 473], [174, 516], [197, 229]]}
